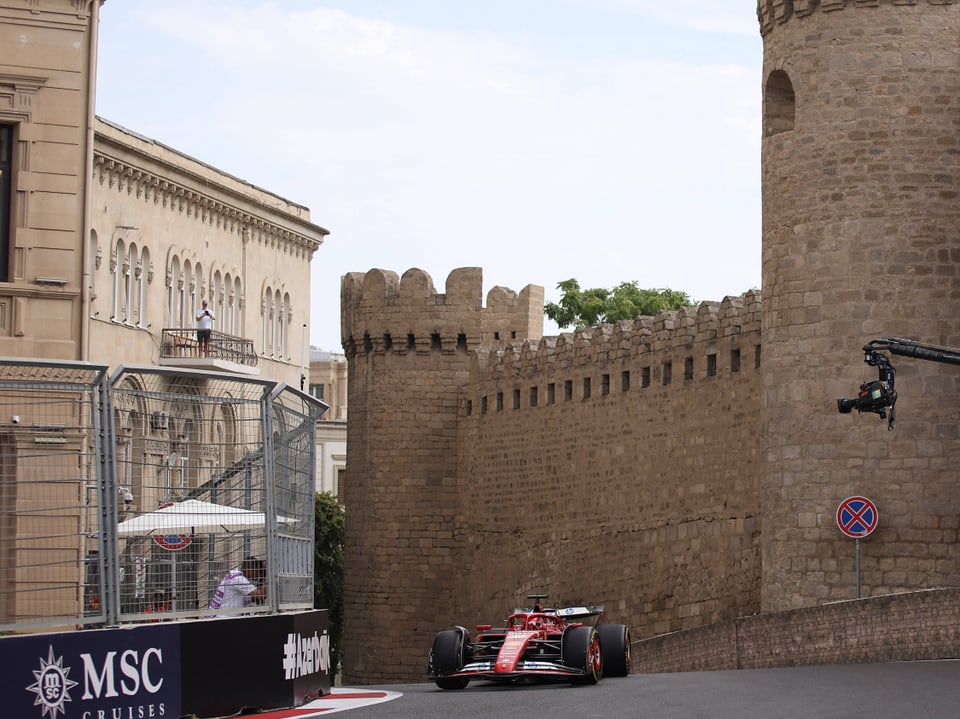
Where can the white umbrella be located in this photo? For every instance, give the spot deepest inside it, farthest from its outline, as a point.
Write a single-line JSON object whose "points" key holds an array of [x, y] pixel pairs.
{"points": [[191, 516]]}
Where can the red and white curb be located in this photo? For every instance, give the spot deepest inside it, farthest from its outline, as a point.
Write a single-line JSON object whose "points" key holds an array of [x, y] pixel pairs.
{"points": [[340, 699]]}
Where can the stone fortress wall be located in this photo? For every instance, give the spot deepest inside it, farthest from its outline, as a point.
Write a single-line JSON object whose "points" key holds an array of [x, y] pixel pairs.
{"points": [[487, 462], [616, 464], [408, 356]]}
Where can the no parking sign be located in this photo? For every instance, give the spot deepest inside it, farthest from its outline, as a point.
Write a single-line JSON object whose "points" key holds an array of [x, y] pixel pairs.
{"points": [[857, 517]]}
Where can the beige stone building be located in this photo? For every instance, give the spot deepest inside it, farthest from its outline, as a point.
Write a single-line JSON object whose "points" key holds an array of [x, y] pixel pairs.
{"points": [[328, 383], [168, 232], [47, 92], [110, 241]]}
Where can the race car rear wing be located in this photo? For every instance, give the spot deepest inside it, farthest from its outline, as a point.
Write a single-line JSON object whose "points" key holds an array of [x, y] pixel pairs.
{"points": [[594, 610], [567, 613]]}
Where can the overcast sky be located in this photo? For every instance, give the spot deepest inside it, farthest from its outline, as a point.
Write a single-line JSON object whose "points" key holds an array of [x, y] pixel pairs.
{"points": [[542, 140]]}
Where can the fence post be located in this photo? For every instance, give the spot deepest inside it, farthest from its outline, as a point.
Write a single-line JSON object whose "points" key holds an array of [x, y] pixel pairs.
{"points": [[105, 435], [270, 501]]}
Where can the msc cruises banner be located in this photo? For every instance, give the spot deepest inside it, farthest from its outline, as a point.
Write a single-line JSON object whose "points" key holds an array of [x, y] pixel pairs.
{"points": [[208, 668], [132, 672]]}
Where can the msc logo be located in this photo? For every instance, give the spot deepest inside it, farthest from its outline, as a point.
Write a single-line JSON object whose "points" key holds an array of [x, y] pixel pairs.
{"points": [[52, 686], [129, 673]]}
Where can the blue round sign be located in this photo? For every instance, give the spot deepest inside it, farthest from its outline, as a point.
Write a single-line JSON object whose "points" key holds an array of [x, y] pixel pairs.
{"points": [[857, 517]]}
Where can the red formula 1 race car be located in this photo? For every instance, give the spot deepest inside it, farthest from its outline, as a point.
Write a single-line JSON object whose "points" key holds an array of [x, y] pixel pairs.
{"points": [[544, 643]]}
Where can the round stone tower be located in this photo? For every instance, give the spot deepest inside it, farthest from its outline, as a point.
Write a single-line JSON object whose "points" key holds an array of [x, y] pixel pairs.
{"points": [[861, 240], [409, 351]]}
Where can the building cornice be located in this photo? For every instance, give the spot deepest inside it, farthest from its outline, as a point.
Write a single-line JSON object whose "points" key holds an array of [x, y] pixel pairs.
{"points": [[269, 220]]}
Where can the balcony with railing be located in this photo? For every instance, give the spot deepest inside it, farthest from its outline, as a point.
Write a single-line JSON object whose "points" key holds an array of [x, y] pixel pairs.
{"points": [[225, 353]]}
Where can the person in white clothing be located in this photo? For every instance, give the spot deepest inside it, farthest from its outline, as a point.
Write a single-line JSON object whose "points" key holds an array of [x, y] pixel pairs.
{"points": [[241, 587], [205, 319]]}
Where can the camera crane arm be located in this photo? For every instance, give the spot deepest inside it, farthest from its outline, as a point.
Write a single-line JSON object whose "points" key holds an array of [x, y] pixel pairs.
{"points": [[880, 396], [912, 348]]}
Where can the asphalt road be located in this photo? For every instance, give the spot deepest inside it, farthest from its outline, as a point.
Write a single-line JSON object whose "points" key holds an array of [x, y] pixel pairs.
{"points": [[904, 690]]}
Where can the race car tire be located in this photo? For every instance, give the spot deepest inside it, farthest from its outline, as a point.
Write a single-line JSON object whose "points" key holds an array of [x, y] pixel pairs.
{"points": [[615, 647], [580, 649], [448, 656]]}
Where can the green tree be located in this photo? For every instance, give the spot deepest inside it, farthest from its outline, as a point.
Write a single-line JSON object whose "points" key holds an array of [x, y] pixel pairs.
{"points": [[328, 570], [626, 301]]}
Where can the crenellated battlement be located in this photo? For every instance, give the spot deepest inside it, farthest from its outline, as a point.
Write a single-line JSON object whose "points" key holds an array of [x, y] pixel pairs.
{"points": [[381, 312], [772, 13], [463, 413], [655, 463], [648, 340]]}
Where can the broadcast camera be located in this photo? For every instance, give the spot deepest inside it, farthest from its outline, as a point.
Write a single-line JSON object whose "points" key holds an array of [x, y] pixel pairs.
{"points": [[877, 396]]}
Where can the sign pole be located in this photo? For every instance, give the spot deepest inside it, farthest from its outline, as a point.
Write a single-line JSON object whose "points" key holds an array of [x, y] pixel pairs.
{"points": [[858, 567], [857, 517]]}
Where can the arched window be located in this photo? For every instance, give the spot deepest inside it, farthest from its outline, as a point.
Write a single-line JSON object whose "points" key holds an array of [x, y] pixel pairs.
{"points": [[779, 104], [173, 292], [198, 292], [277, 326], [129, 294], [285, 327], [186, 290], [227, 322], [236, 318], [218, 302], [267, 312], [226, 434], [118, 261], [141, 278], [93, 264]]}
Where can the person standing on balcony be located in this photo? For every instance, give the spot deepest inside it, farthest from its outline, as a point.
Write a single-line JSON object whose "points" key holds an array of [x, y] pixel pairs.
{"points": [[205, 320]]}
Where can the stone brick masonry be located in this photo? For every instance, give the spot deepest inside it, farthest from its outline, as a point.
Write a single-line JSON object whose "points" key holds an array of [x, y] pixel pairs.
{"points": [[616, 464], [860, 233], [893, 627], [676, 468]]}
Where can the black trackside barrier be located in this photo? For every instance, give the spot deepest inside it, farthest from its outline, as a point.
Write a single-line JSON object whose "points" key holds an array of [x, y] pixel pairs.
{"points": [[264, 662], [205, 668]]}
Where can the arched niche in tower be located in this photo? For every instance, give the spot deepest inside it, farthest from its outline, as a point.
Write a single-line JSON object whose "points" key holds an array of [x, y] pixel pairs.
{"points": [[779, 104]]}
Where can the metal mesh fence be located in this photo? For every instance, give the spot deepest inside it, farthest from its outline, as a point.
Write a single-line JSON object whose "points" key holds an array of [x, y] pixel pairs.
{"points": [[295, 449], [133, 495], [51, 509]]}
